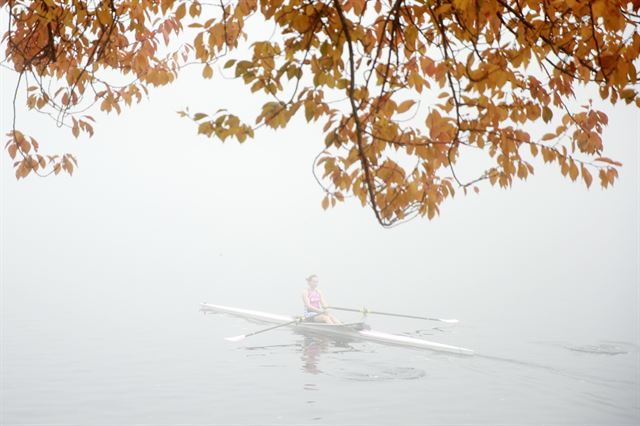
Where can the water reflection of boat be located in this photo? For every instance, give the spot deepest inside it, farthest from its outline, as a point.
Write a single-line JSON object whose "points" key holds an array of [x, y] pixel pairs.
{"points": [[314, 345], [312, 348]]}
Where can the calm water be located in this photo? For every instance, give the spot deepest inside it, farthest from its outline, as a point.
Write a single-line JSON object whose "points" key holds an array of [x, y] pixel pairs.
{"points": [[167, 363]]}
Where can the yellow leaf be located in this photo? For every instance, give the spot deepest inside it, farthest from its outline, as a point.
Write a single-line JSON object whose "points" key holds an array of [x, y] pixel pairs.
{"points": [[586, 176], [181, 11], [573, 171], [598, 8], [404, 106], [207, 72], [522, 171], [166, 4], [325, 203], [358, 6], [441, 10], [608, 161], [604, 180], [13, 148], [195, 9]]}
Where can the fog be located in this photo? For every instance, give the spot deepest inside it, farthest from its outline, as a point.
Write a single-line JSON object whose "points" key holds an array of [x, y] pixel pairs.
{"points": [[156, 220]]}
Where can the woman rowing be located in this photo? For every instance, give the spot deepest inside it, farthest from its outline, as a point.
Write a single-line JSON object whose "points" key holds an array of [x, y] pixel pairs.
{"points": [[314, 304]]}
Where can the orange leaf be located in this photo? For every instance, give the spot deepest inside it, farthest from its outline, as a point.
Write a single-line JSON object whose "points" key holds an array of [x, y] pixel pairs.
{"points": [[207, 72], [404, 106], [181, 11], [325, 203]]}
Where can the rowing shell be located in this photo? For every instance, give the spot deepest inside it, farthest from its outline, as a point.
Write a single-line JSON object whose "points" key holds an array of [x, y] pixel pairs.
{"points": [[371, 335]]}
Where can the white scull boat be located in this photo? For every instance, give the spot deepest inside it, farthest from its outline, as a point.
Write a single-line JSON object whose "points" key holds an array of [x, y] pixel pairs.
{"points": [[343, 331]]}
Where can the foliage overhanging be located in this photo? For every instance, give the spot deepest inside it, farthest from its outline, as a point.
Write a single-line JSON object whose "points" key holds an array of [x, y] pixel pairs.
{"points": [[404, 88]]}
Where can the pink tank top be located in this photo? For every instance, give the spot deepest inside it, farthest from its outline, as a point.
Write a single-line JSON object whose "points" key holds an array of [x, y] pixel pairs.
{"points": [[314, 298]]}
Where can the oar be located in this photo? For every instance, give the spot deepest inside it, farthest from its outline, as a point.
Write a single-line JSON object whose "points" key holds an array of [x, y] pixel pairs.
{"points": [[244, 336], [366, 311]]}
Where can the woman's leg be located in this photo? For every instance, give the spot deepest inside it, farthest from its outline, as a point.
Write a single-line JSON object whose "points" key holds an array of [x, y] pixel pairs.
{"points": [[334, 320], [323, 318], [327, 319]]}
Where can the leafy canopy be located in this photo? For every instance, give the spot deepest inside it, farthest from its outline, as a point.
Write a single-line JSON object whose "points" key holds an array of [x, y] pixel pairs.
{"points": [[403, 88]]}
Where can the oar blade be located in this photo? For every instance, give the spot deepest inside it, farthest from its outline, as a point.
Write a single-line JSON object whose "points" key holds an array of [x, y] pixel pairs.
{"points": [[235, 338]]}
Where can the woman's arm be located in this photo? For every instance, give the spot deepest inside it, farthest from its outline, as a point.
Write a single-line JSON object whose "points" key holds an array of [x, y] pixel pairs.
{"points": [[322, 302]]}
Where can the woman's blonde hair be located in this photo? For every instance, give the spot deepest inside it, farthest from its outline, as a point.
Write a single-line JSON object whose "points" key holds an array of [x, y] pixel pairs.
{"points": [[310, 277]]}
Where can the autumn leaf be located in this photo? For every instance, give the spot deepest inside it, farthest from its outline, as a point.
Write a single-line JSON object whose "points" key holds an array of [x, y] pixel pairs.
{"points": [[207, 71], [481, 78], [405, 106]]}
